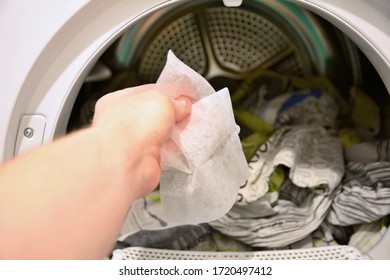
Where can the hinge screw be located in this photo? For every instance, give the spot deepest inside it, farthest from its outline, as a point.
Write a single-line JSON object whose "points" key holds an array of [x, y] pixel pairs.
{"points": [[28, 132]]}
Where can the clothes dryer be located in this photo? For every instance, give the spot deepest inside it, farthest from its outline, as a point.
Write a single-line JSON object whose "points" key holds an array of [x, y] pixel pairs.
{"points": [[53, 51]]}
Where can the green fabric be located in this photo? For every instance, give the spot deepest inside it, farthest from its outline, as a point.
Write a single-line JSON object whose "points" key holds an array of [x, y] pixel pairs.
{"points": [[348, 137], [385, 221], [252, 143], [258, 74], [365, 112], [155, 197], [276, 180], [252, 123]]}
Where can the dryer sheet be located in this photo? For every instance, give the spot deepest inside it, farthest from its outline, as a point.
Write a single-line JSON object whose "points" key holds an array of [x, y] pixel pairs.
{"points": [[203, 162]]}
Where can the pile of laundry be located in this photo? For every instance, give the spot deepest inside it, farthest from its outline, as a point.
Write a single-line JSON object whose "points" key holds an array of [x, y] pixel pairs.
{"points": [[319, 175]]}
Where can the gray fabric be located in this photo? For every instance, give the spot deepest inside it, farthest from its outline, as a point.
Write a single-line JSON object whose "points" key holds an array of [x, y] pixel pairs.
{"points": [[300, 212], [324, 235], [367, 152], [364, 196], [177, 238], [314, 156], [366, 236]]}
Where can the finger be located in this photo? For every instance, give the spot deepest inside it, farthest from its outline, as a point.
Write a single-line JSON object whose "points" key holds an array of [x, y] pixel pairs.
{"points": [[133, 90], [116, 94], [182, 105], [141, 88]]}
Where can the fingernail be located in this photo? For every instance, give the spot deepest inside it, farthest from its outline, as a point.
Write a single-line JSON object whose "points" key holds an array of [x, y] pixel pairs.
{"points": [[182, 102]]}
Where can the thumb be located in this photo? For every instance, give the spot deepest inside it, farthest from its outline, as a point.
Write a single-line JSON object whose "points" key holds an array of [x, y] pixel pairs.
{"points": [[182, 106]]}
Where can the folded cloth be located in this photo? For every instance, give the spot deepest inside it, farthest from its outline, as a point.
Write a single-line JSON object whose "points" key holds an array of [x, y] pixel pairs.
{"points": [[296, 214], [321, 237], [252, 190], [366, 236], [218, 242], [187, 237], [145, 214], [176, 238], [144, 227], [314, 157], [315, 107], [203, 162], [367, 152], [364, 196]]}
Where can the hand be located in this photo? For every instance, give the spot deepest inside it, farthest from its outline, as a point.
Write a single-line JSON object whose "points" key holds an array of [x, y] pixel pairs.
{"points": [[55, 197], [140, 120]]}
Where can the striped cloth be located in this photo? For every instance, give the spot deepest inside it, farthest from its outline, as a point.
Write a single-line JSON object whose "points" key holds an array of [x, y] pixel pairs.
{"points": [[364, 196], [296, 214], [313, 155]]}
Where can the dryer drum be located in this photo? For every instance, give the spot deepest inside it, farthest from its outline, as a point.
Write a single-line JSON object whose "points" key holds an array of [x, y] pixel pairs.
{"points": [[226, 45]]}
